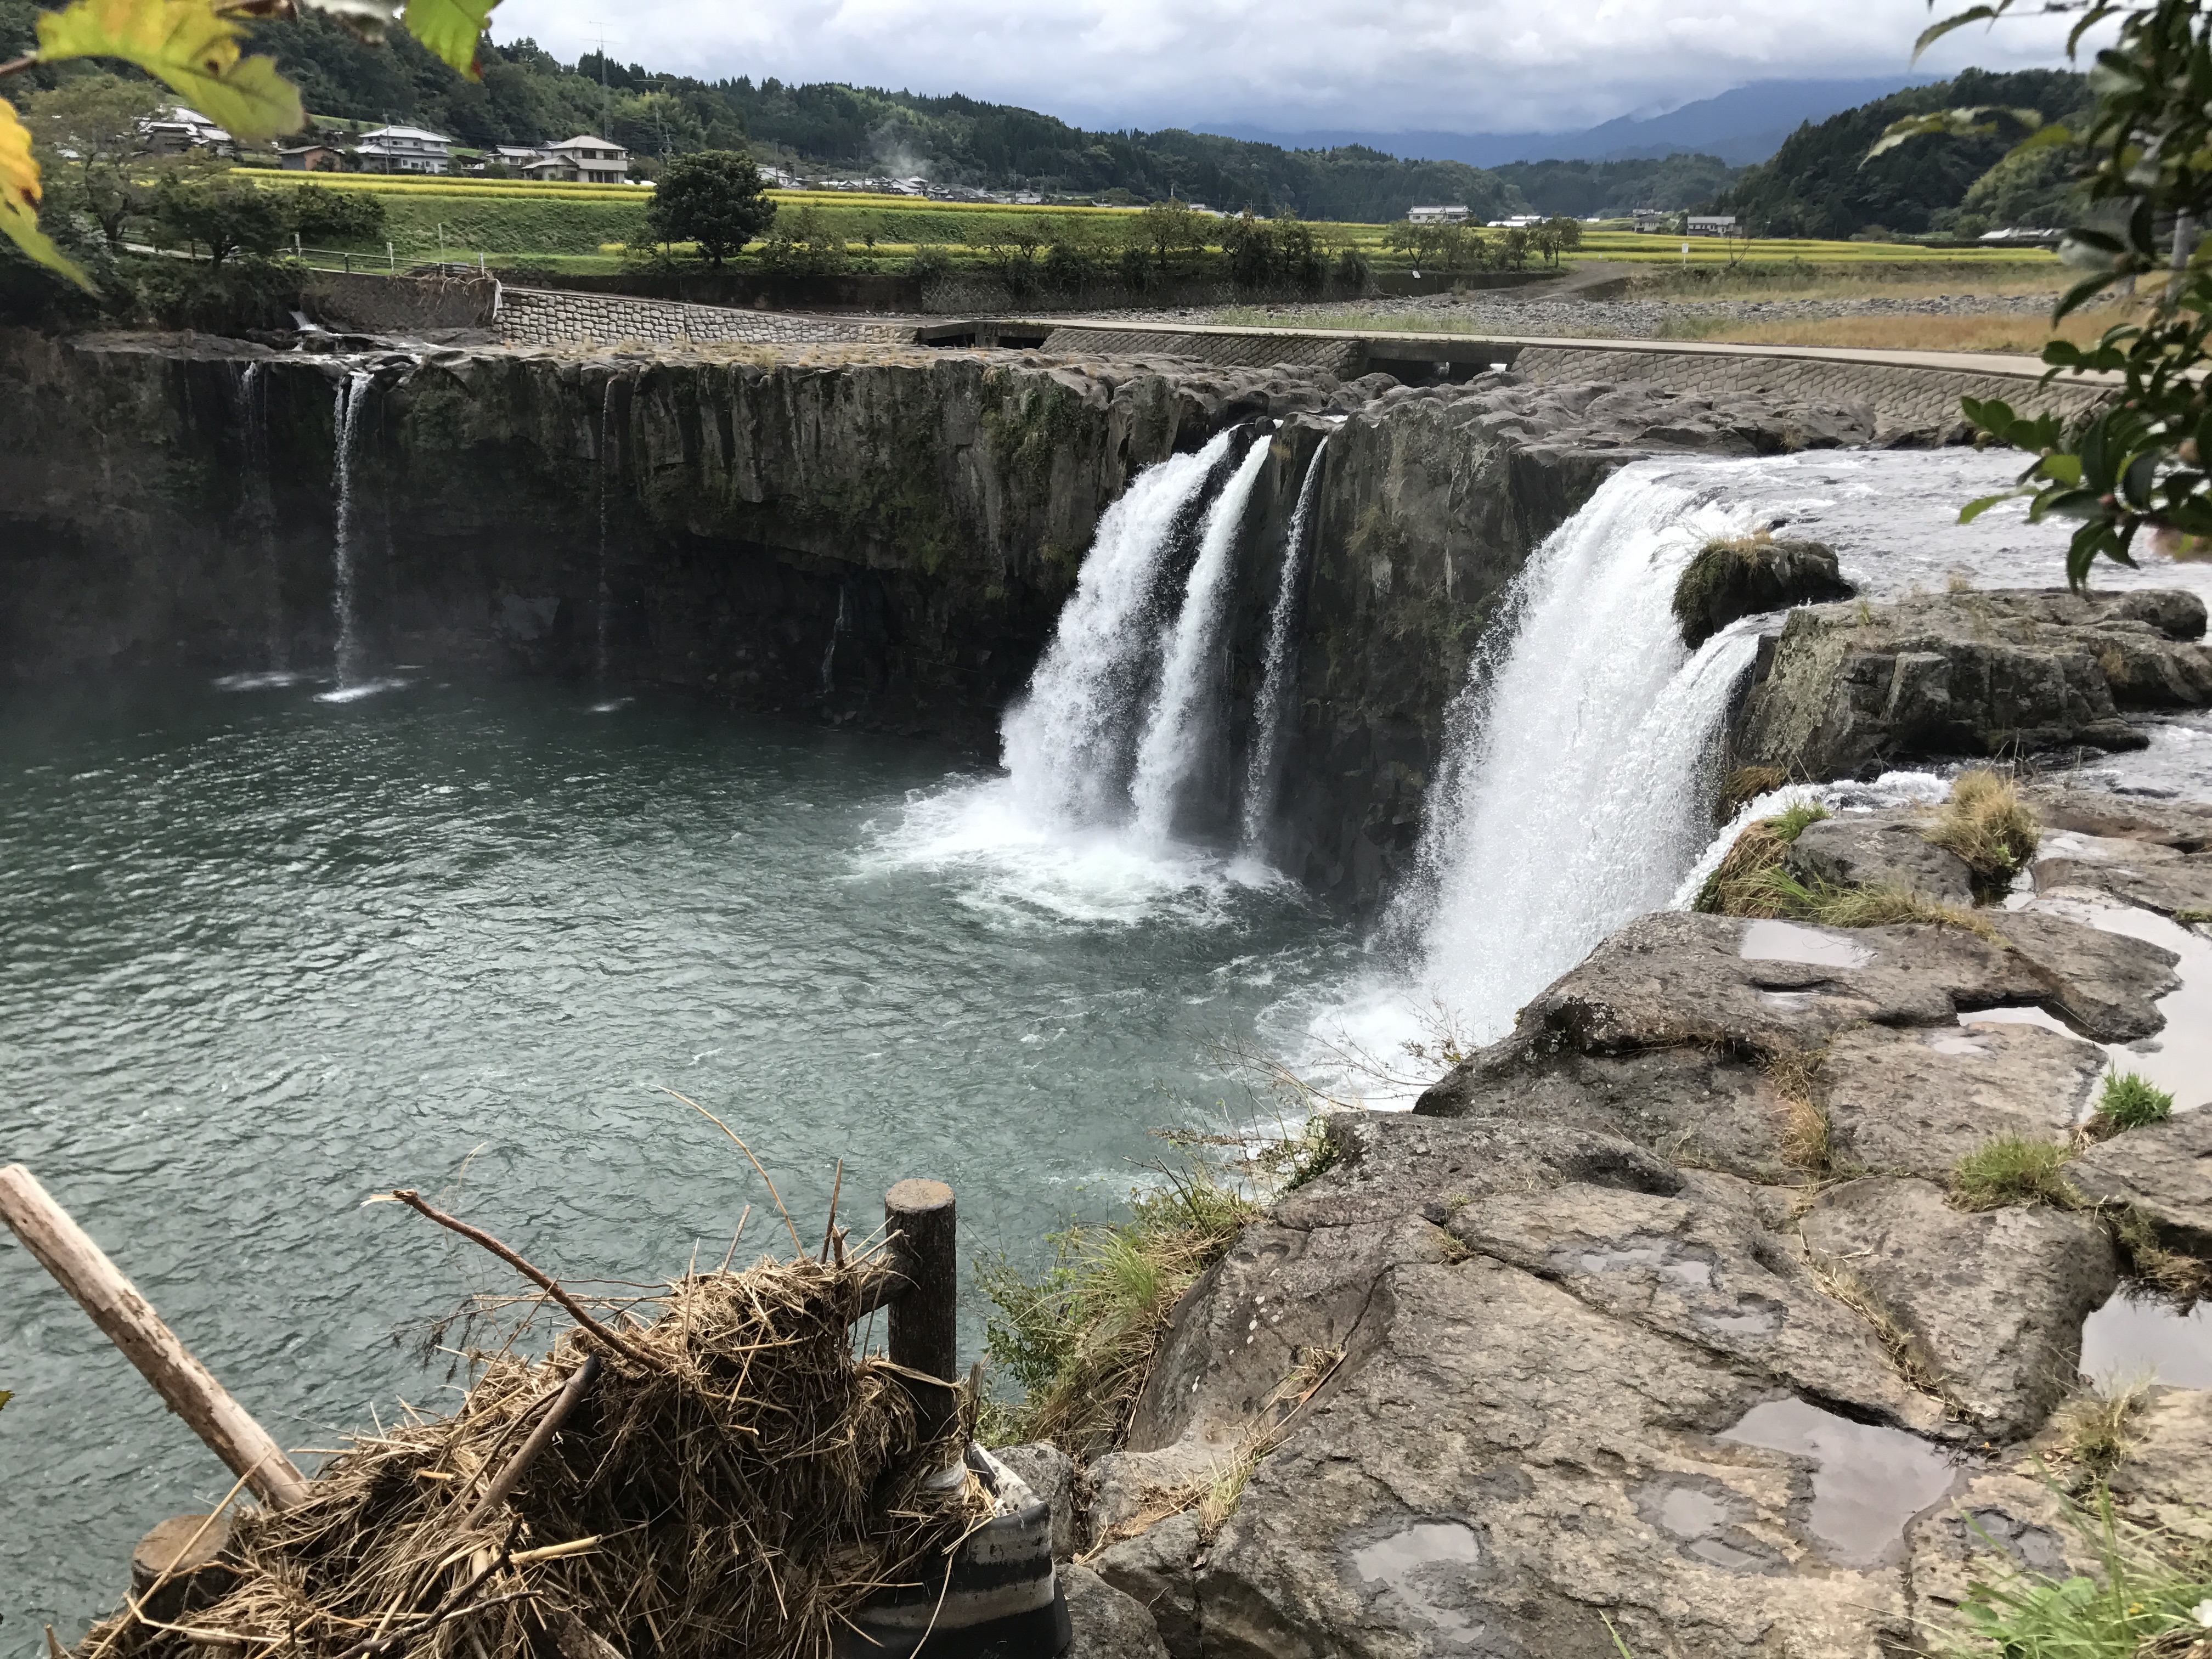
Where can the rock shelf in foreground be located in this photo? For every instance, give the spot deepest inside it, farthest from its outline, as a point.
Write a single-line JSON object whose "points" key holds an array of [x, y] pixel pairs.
{"points": [[1659, 1310]]}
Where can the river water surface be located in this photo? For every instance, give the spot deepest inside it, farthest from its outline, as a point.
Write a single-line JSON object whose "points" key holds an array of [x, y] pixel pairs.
{"points": [[265, 955]]}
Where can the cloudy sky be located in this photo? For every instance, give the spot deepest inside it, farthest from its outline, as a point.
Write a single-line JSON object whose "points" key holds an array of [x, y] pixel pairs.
{"points": [[1367, 65]]}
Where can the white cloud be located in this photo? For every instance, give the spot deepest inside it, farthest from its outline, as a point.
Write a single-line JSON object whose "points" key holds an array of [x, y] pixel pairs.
{"points": [[1455, 65]]}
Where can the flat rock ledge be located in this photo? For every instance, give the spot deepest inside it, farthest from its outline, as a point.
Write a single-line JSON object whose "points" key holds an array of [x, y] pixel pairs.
{"points": [[1657, 1311], [1854, 690]]}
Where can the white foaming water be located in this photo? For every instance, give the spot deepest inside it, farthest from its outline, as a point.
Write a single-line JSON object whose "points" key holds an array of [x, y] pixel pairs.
{"points": [[1262, 773], [1067, 743], [1080, 831], [352, 397], [1577, 785], [1174, 745]]}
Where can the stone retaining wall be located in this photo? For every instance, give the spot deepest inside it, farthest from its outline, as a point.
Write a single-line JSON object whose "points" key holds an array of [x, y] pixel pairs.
{"points": [[550, 316], [1342, 358], [1906, 402]]}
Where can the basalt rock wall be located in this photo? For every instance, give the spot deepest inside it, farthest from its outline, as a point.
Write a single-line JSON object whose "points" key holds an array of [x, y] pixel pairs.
{"points": [[876, 535]]}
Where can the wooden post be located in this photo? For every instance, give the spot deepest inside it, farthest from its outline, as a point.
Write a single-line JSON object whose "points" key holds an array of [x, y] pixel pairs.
{"points": [[925, 1317], [67, 1252]]}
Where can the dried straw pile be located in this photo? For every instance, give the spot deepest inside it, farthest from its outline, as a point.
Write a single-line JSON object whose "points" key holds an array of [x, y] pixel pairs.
{"points": [[743, 1493]]}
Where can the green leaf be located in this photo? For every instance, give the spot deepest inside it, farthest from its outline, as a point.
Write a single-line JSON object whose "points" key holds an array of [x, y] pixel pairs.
{"points": [[1968, 122], [185, 44], [2063, 469], [4, 1397], [20, 194], [1974, 510], [450, 28], [1936, 31]]}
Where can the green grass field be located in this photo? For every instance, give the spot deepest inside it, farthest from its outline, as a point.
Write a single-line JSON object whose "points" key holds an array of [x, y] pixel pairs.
{"points": [[507, 218]]}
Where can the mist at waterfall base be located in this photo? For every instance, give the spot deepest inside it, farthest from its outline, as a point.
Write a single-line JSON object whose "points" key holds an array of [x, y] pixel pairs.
{"points": [[269, 955]]}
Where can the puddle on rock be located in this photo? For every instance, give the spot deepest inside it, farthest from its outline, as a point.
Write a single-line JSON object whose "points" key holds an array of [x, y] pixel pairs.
{"points": [[1691, 1265], [1867, 1481], [1790, 941], [2179, 1058], [1704, 1517], [2130, 1338], [1407, 1562]]}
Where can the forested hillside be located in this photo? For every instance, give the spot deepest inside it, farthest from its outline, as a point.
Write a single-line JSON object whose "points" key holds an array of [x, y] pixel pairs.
{"points": [[527, 97], [1819, 183], [1608, 190]]}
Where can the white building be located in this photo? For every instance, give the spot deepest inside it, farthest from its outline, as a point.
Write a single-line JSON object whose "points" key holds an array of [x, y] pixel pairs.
{"points": [[1711, 224], [404, 149], [175, 130], [1518, 222], [584, 160], [1436, 215]]}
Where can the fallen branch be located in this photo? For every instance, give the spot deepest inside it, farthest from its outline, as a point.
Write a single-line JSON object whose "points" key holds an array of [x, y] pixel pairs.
{"points": [[577, 1387], [415, 1201]]}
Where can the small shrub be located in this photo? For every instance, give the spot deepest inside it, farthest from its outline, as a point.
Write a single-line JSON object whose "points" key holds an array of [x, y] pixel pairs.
{"points": [[2186, 1279], [1790, 821], [2129, 1102], [929, 264], [1747, 783], [2193, 917], [1984, 823], [2013, 1169]]}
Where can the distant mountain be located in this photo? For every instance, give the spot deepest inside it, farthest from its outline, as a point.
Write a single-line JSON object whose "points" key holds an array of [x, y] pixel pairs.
{"points": [[1745, 125]]}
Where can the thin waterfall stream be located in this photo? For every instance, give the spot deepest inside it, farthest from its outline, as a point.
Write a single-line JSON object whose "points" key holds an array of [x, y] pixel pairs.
{"points": [[1174, 746], [1274, 708], [352, 398]]}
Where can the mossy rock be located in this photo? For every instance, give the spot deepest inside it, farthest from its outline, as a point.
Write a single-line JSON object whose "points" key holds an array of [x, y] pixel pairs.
{"points": [[1742, 576]]}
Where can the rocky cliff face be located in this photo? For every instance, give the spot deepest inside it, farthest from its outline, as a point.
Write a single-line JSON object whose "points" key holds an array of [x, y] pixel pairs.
{"points": [[876, 535]]}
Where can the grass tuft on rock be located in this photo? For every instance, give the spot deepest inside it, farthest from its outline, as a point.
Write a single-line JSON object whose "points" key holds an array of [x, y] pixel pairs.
{"points": [[1904, 1346], [2013, 1169], [2185, 1278], [1739, 887], [2145, 1599], [1078, 1338], [2094, 1427], [2129, 1102], [1985, 823], [1828, 904]]}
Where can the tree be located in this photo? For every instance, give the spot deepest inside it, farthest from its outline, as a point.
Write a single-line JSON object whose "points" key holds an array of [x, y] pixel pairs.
{"points": [[714, 198], [2141, 461], [327, 218], [223, 214], [85, 137], [1167, 228], [804, 245]]}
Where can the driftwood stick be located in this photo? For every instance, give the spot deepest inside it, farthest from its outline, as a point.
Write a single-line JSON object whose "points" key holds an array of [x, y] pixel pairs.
{"points": [[81, 1267], [415, 1201], [577, 1387], [829, 1232]]}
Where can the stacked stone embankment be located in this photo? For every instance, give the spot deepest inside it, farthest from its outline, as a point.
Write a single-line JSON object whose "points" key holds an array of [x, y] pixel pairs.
{"points": [[559, 317]]}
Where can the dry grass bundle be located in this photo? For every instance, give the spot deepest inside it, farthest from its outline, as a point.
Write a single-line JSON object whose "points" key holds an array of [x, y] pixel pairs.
{"points": [[734, 1483], [1985, 824]]}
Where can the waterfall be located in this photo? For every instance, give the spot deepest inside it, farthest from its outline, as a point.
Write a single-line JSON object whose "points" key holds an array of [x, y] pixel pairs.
{"points": [[260, 509], [604, 600], [352, 397], [1263, 765], [1576, 789], [1068, 742], [1172, 750], [829, 652]]}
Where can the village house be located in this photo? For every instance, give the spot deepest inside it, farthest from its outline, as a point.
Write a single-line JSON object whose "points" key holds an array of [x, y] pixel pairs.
{"points": [[175, 130], [404, 149], [582, 159], [1711, 224], [1436, 215], [311, 158]]}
